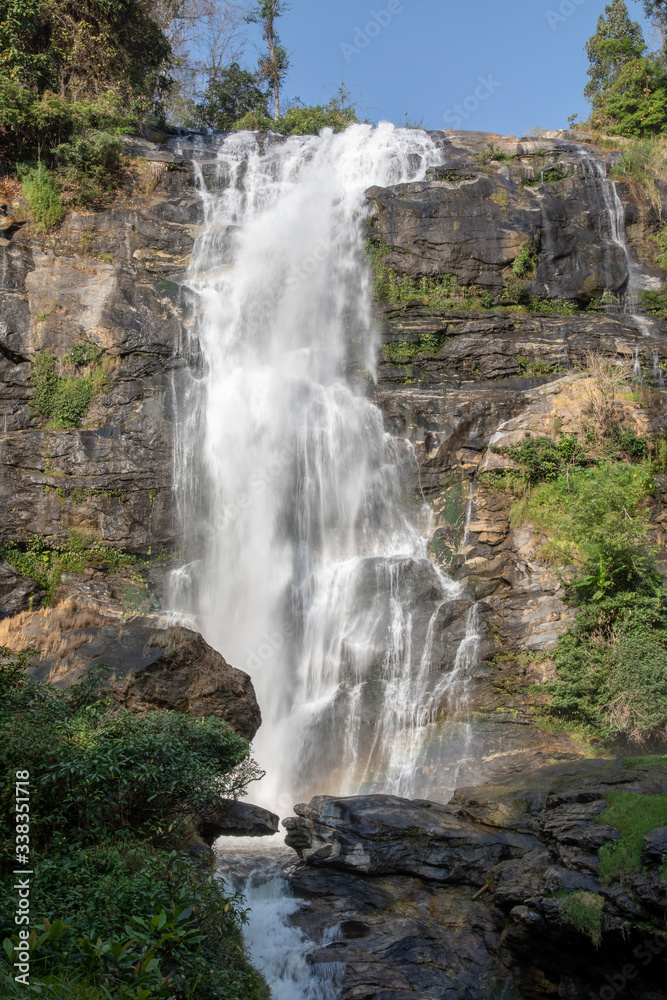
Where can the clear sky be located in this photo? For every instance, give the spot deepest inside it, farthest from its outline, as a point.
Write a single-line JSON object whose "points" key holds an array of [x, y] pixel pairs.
{"points": [[421, 58]]}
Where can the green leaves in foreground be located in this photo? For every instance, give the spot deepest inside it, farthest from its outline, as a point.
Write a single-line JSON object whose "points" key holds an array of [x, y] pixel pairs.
{"points": [[612, 668], [633, 815]]}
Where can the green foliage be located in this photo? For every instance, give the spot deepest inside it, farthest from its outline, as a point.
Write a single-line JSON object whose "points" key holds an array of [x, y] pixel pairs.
{"points": [[230, 95], [617, 41], [274, 63], [525, 262], [551, 175], [643, 165], [73, 65], [633, 815], [403, 352], [92, 163], [301, 119], [612, 667], [654, 303], [542, 459], [636, 103], [583, 911], [493, 153], [46, 563], [41, 192], [596, 518], [65, 399], [123, 913]]}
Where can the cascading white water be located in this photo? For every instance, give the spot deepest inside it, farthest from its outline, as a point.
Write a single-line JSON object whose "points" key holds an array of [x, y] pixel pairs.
{"points": [[311, 567]]}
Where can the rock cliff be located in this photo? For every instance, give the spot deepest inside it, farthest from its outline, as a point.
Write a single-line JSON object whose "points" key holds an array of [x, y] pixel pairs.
{"points": [[507, 891]]}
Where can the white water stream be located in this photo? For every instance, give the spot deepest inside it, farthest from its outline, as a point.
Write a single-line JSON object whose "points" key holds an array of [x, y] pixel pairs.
{"points": [[310, 566]]}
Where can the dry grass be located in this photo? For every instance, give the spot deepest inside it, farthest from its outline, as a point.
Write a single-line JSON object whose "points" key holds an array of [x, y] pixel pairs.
{"points": [[55, 632], [606, 379]]}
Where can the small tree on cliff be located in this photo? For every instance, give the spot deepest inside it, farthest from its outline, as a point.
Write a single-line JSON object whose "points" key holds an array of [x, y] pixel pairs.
{"points": [[617, 41], [273, 64]]}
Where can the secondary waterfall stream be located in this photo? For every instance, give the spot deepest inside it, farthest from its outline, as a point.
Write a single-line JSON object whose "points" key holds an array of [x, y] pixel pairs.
{"points": [[310, 566]]}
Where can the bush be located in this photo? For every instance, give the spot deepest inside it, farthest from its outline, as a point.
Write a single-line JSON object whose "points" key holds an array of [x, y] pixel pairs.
{"points": [[123, 913], [65, 399], [643, 165], [92, 164], [612, 668], [304, 120], [42, 195], [596, 518], [542, 459], [525, 262]]}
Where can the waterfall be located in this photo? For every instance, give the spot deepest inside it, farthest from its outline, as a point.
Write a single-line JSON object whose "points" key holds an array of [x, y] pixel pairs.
{"points": [[611, 207], [308, 562]]}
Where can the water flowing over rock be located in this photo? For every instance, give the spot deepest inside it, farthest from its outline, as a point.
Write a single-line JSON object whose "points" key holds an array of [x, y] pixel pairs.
{"points": [[288, 479]]}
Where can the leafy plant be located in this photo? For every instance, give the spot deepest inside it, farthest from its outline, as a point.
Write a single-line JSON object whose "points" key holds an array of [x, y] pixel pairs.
{"points": [[46, 563], [493, 152], [583, 911], [65, 399], [633, 815], [542, 459], [596, 518], [124, 912], [612, 667], [41, 193], [525, 262]]}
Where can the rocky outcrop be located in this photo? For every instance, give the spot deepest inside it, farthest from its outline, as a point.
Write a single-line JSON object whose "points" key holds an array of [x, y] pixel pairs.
{"points": [[144, 668], [479, 898], [230, 818], [491, 198]]}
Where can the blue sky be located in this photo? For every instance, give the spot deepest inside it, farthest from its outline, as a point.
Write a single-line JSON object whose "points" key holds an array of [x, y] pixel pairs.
{"points": [[421, 58]]}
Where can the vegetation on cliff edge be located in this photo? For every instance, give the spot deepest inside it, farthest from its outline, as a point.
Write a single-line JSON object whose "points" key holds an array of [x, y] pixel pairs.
{"points": [[118, 910]]}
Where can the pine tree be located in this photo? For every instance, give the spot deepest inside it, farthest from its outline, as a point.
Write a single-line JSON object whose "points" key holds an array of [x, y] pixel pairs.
{"points": [[274, 64], [617, 41]]}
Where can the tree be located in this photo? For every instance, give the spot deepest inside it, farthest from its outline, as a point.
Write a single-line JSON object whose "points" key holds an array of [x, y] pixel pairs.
{"points": [[230, 94], [617, 41], [274, 64]]}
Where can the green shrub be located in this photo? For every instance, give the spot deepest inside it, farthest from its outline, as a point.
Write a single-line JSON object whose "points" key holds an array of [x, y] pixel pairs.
{"points": [[65, 399], [643, 165], [123, 912], [633, 815], [46, 563], [654, 303], [596, 518], [525, 262], [493, 152], [41, 193], [403, 352], [302, 119], [583, 911], [92, 163], [542, 459], [612, 667]]}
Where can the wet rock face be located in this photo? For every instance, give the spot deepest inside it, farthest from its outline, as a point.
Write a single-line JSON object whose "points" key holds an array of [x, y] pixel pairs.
{"points": [[402, 880], [476, 213]]}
